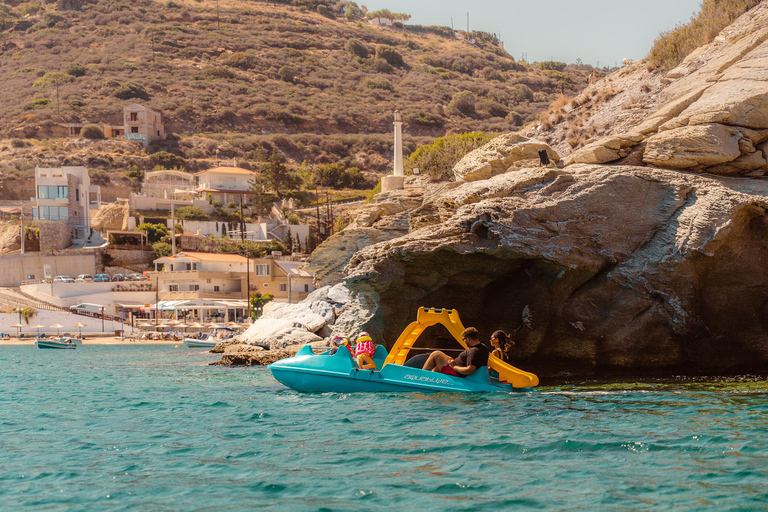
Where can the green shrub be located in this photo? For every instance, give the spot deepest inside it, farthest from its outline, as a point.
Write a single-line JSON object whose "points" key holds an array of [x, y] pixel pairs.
{"points": [[437, 159], [75, 69], [92, 131], [191, 213], [520, 93], [214, 73], [389, 54], [99, 177], [167, 160], [357, 48], [231, 204], [131, 90], [425, 119], [287, 73], [18, 143], [555, 66], [382, 66], [324, 11], [40, 103], [515, 118], [338, 176], [378, 83], [494, 108], [242, 60], [462, 103], [161, 249]]}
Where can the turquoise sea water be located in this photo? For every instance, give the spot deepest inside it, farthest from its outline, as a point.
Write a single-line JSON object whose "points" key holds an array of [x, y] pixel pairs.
{"points": [[155, 428]]}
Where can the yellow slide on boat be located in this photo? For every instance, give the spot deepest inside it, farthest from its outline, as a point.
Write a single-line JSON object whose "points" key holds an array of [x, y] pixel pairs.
{"points": [[449, 318]]}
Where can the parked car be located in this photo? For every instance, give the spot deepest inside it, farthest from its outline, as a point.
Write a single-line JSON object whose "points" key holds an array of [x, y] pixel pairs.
{"points": [[63, 279], [138, 277], [84, 278], [119, 277], [87, 308], [102, 278]]}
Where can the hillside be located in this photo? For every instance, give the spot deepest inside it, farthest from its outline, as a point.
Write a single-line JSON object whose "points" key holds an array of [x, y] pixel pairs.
{"points": [[315, 82]]}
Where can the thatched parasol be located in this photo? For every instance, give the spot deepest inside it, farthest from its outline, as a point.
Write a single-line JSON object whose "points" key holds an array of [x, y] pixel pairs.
{"points": [[80, 326], [57, 327]]}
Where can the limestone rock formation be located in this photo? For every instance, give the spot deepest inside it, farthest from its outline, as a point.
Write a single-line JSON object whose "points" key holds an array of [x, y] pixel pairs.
{"points": [[111, 217], [249, 355], [624, 269], [498, 155], [707, 115]]}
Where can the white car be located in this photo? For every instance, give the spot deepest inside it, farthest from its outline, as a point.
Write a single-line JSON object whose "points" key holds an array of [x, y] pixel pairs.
{"points": [[63, 279], [84, 278]]}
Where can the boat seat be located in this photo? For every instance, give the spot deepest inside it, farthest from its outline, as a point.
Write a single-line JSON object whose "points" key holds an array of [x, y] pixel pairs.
{"points": [[417, 361]]}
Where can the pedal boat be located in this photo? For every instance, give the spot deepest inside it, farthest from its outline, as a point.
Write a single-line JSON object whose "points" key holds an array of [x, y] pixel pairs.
{"points": [[309, 372]]}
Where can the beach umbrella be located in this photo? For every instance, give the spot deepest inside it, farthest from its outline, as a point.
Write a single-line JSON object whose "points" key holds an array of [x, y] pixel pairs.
{"points": [[80, 326], [57, 327], [163, 326], [38, 327], [18, 326]]}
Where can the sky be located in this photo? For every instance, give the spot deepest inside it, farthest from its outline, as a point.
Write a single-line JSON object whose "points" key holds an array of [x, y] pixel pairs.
{"points": [[604, 31]]}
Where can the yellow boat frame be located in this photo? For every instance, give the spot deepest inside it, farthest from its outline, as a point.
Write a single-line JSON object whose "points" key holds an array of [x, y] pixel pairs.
{"points": [[449, 318]]}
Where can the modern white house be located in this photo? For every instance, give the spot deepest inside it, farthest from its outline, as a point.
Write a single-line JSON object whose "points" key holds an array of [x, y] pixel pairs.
{"points": [[225, 184], [65, 194]]}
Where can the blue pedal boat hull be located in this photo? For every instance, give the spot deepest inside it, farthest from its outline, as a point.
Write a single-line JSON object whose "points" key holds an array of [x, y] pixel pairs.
{"points": [[324, 373]]}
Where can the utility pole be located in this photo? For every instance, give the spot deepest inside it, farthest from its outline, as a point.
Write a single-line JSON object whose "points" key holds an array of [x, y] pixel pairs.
{"points": [[21, 218], [157, 296], [173, 230], [247, 260]]}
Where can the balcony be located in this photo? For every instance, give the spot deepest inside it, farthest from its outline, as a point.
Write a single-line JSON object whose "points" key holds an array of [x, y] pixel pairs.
{"points": [[187, 295]]}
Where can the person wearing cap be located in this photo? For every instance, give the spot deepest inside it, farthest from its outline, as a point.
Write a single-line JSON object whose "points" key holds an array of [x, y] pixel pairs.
{"points": [[340, 341], [364, 349], [476, 356]]}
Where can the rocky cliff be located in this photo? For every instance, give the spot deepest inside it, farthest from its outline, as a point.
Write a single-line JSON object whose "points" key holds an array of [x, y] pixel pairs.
{"points": [[656, 267]]}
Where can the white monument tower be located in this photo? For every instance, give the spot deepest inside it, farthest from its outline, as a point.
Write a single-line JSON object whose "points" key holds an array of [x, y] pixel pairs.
{"points": [[396, 181]]}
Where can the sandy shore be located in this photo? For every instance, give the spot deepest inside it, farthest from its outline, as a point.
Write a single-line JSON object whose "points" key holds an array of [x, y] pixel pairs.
{"points": [[106, 340]]}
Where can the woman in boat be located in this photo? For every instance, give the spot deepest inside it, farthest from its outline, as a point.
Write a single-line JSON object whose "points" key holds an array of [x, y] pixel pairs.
{"points": [[502, 344]]}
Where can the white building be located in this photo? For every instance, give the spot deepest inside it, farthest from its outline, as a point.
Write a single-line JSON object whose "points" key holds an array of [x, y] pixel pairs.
{"points": [[225, 184], [65, 194]]}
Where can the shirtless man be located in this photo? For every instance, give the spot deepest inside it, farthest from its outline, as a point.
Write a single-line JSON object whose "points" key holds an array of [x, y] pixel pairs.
{"points": [[476, 356]]}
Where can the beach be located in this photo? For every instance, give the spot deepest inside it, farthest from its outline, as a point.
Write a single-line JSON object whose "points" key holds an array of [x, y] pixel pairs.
{"points": [[97, 340]]}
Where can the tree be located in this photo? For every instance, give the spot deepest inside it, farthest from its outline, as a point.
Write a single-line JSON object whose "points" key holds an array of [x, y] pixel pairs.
{"points": [[131, 90], [276, 174], [289, 240], [258, 301], [92, 131], [155, 232], [75, 69], [25, 313], [191, 213], [53, 79], [161, 249]]}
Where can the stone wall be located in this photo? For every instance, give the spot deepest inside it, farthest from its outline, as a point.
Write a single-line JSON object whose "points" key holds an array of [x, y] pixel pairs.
{"points": [[16, 267], [128, 258], [54, 235]]}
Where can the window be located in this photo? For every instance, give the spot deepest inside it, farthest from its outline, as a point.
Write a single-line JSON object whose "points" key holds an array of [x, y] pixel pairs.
{"points": [[52, 213], [262, 270], [134, 116], [215, 288], [134, 129], [207, 281], [77, 195], [282, 287], [265, 285], [173, 287], [51, 192], [194, 287], [306, 287]]}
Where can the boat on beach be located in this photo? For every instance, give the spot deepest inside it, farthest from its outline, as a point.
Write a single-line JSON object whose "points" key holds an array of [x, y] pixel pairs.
{"points": [[395, 371], [60, 343]]}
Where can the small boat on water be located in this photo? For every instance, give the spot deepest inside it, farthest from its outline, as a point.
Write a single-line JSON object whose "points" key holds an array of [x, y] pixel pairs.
{"points": [[209, 342], [65, 343], [326, 372]]}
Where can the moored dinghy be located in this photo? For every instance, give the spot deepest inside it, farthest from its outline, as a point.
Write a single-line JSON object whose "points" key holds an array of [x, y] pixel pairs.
{"points": [[310, 372], [61, 343]]}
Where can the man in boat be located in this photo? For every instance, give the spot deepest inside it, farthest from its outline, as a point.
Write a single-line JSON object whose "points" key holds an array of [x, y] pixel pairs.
{"points": [[476, 356]]}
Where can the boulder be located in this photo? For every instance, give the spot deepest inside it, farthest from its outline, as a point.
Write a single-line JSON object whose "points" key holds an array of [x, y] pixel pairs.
{"points": [[111, 217], [606, 149], [624, 270], [498, 155], [693, 146], [249, 355]]}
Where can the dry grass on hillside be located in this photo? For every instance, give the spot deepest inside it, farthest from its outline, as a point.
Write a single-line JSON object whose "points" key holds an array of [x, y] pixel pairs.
{"points": [[673, 46]]}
